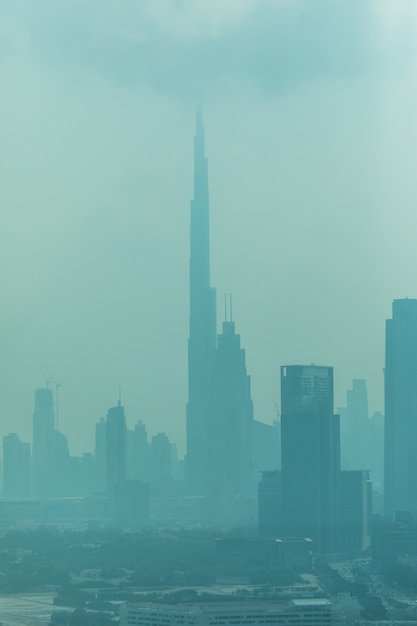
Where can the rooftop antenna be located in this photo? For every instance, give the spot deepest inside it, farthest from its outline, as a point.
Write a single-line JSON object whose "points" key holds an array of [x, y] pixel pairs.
{"points": [[231, 307], [120, 395], [46, 374], [225, 307], [50, 379]]}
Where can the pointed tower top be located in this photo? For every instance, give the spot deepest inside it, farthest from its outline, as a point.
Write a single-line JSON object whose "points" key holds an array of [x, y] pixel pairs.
{"points": [[199, 116], [199, 132]]}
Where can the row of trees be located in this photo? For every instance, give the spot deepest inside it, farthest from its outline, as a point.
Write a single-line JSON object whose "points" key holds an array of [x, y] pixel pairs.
{"points": [[372, 606], [44, 556]]}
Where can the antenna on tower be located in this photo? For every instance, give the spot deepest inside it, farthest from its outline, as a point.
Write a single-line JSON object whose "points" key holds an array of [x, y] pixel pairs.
{"points": [[46, 374], [231, 307], [50, 379]]}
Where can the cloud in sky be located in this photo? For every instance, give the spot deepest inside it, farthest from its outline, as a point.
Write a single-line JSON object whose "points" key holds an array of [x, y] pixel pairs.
{"points": [[311, 135], [196, 46]]}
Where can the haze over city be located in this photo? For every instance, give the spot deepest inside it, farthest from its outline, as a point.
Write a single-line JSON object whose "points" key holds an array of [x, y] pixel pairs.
{"points": [[311, 139]]}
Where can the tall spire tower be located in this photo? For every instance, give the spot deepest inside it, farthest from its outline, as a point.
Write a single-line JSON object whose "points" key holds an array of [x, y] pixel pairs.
{"points": [[202, 338]]}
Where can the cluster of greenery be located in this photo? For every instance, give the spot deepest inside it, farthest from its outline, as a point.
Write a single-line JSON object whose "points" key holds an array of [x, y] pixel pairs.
{"points": [[146, 559], [372, 606], [80, 617], [28, 565], [92, 571], [403, 575]]}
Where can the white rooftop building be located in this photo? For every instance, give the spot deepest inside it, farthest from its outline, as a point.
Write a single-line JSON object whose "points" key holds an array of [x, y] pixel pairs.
{"points": [[309, 612]]}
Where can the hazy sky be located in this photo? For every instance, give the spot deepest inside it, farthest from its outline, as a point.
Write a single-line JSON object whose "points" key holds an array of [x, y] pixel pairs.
{"points": [[311, 133]]}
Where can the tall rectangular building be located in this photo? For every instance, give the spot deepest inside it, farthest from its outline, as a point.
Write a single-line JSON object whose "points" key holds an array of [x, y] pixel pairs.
{"points": [[43, 443], [400, 466], [310, 444], [116, 451], [16, 467]]}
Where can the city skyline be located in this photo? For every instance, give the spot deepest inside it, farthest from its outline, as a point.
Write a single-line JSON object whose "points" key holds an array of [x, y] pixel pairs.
{"points": [[95, 284]]}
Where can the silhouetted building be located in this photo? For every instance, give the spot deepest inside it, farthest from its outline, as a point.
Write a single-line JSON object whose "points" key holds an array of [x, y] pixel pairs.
{"points": [[43, 443], [61, 474], [230, 419], [88, 467], [376, 451], [310, 454], [177, 465], [266, 446], [277, 553], [353, 528], [400, 476], [115, 447], [270, 504], [202, 337], [355, 428], [100, 457], [16, 467], [138, 453], [161, 472]]}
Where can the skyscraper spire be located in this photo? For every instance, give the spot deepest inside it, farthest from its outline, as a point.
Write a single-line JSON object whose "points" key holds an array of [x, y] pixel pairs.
{"points": [[202, 337], [199, 133]]}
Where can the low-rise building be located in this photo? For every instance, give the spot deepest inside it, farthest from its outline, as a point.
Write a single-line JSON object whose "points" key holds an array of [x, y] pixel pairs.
{"points": [[308, 612]]}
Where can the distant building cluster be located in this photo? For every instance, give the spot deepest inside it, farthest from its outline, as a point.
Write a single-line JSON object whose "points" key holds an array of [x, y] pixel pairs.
{"points": [[314, 478]]}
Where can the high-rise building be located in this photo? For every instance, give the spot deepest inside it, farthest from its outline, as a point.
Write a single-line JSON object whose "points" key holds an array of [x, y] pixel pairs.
{"points": [[376, 454], [43, 443], [355, 507], [270, 504], [230, 419], [202, 337], [266, 446], [161, 470], [138, 453], [100, 457], [16, 467], [116, 452], [400, 471], [310, 441], [355, 428]]}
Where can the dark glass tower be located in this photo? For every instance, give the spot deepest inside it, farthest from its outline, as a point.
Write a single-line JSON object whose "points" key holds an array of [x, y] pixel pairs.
{"points": [[202, 338], [310, 454], [400, 471]]}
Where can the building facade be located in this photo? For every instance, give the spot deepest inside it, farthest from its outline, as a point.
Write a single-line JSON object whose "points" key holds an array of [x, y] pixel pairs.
{"points": [[43, 443], [311, 612], [116, 448], [16, 467], [310, 444], [400, 464], [230, 419]]}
